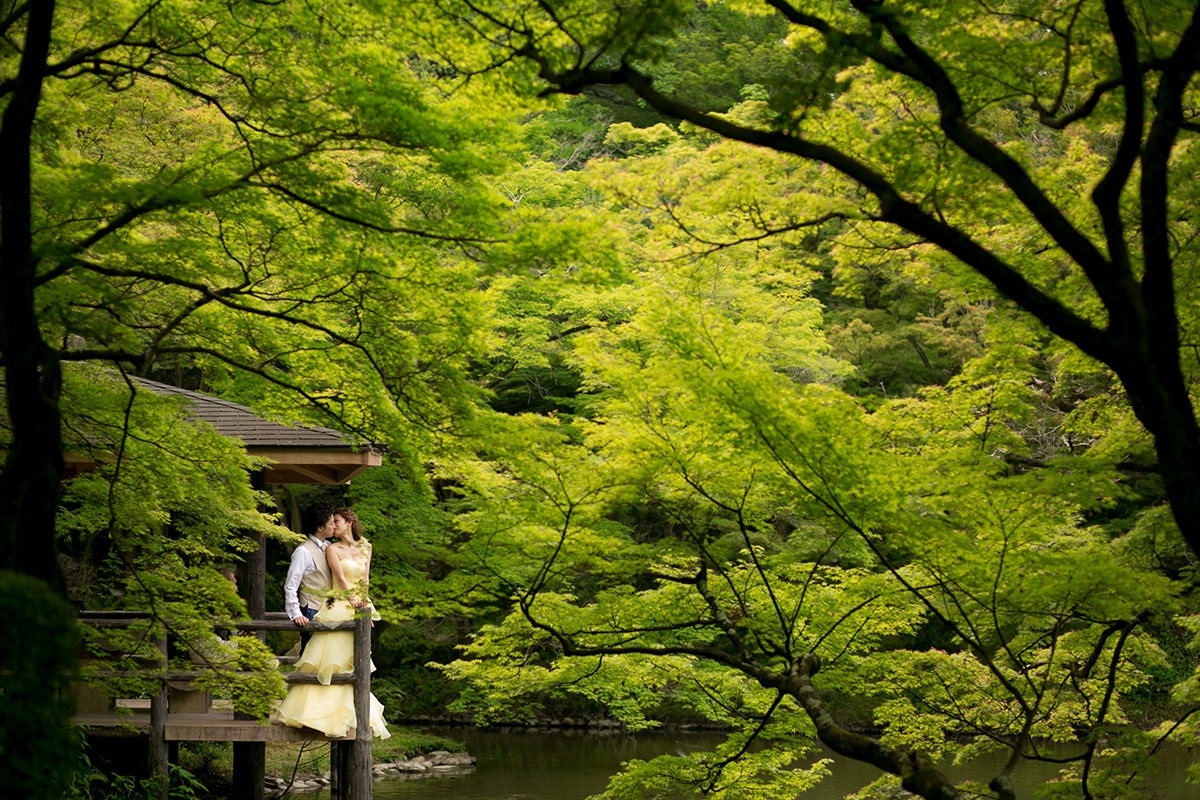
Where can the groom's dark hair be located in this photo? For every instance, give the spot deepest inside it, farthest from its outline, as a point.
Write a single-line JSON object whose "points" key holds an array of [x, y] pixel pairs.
{"points": [[316, 516]]}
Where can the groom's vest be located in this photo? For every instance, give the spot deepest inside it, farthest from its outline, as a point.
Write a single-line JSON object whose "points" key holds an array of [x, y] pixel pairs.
{"points": [[315, 585]]}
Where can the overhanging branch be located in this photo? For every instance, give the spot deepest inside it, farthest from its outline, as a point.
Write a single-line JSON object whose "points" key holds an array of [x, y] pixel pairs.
{"points": [[894, 207]]}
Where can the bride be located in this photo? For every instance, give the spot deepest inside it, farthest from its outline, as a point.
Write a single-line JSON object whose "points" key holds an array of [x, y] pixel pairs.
{"points": [[326, 707]]}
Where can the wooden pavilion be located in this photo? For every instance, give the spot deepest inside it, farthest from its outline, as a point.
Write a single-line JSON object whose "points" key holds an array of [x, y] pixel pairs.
{"points": [[296, 455], [300, 454]]}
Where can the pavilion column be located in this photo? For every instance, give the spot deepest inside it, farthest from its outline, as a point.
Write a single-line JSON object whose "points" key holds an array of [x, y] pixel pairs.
{"points": [[250, 758], [157, 751], [252, 578]]}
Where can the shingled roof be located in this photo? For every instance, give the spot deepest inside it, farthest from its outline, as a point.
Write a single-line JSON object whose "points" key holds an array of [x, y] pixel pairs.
{"points": [[239, 422], [299, 453]]}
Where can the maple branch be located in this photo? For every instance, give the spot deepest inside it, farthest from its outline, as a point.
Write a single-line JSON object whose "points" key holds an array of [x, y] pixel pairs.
{"points": [[916, 770], [894, 207], [1099, 92], [19, 10], [1157, 282], [1107, 194], [987, 153], [327, 211], [77, 57]]}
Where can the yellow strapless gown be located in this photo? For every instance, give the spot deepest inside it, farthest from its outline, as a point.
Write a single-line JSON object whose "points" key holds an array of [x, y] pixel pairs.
{"points": [[326, 707]]}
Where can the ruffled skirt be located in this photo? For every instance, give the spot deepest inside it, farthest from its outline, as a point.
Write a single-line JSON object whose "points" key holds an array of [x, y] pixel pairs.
{"points": [[326, 707]]}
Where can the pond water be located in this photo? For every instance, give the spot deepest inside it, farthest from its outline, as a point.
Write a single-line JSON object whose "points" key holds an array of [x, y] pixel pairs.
{"points": [[571, 764]]}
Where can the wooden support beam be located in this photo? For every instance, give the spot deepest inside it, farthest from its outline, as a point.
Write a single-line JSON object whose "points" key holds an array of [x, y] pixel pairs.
{"points": [[346, 477], [358, 772], [255, 586], [113, 615], [249, 770], [271, 621], [192, 675], [250, 758], [284, 624], [306, 474], [337, 770], [289, 456], [328, 466], [256, 578], [157, 750]]}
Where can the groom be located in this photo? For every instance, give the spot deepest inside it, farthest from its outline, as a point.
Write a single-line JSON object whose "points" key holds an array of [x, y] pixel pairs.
{"points": [[308, 577]]}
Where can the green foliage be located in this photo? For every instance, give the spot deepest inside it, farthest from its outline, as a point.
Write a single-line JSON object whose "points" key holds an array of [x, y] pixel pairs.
{"points": [[37, 666], [728, 772], [181, 785], [206, 758], [721, 51], [394, 504], [674, 414], [273, 205], [640, 141], [156, 471], [160, 509], [790, 521], [569, 135], [1187, 692]]}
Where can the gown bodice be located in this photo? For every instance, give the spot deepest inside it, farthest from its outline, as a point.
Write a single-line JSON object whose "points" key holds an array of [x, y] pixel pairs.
{"points": [[353, 568]]}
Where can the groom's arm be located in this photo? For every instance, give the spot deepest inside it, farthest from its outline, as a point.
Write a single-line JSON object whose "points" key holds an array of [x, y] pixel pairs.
{"points": [[301, 565]]}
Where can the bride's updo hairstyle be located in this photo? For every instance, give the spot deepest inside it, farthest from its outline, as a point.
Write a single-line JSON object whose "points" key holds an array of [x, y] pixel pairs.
{"points": [[356, 527]]}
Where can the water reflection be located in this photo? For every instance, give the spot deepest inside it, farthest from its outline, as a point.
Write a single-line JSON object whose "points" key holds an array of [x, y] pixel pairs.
{"points": [[572, 764], [521, 764]]}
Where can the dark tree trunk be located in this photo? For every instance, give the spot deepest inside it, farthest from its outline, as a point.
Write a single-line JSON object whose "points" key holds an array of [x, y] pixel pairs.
{"points": [[1158, 394], [29, 483]]}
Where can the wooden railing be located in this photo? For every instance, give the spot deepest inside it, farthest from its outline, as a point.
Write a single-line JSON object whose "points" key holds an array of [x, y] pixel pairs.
{"points": [[351, 759]]}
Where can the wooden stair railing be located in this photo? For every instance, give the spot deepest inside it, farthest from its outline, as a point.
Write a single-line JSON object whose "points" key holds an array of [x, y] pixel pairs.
{"points": [[351, 758]]}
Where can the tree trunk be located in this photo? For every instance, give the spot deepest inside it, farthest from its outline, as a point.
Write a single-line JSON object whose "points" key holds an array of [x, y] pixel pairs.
{"points": [[33, 466], [1159, 397], [916, 771]]}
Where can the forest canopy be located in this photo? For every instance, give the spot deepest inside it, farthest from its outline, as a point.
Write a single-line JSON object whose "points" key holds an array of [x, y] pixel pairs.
{"points": [[820, 371]]}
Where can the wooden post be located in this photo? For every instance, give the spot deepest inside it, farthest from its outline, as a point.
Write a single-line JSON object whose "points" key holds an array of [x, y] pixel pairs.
{"points": [[249, 767], [337, 778], [156, 751], [250, 758], [358, 774], [249, 770], [253, 586]]}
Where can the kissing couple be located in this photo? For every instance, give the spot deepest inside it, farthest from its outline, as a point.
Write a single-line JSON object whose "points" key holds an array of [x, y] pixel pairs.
{"points": [[327, 581]]}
